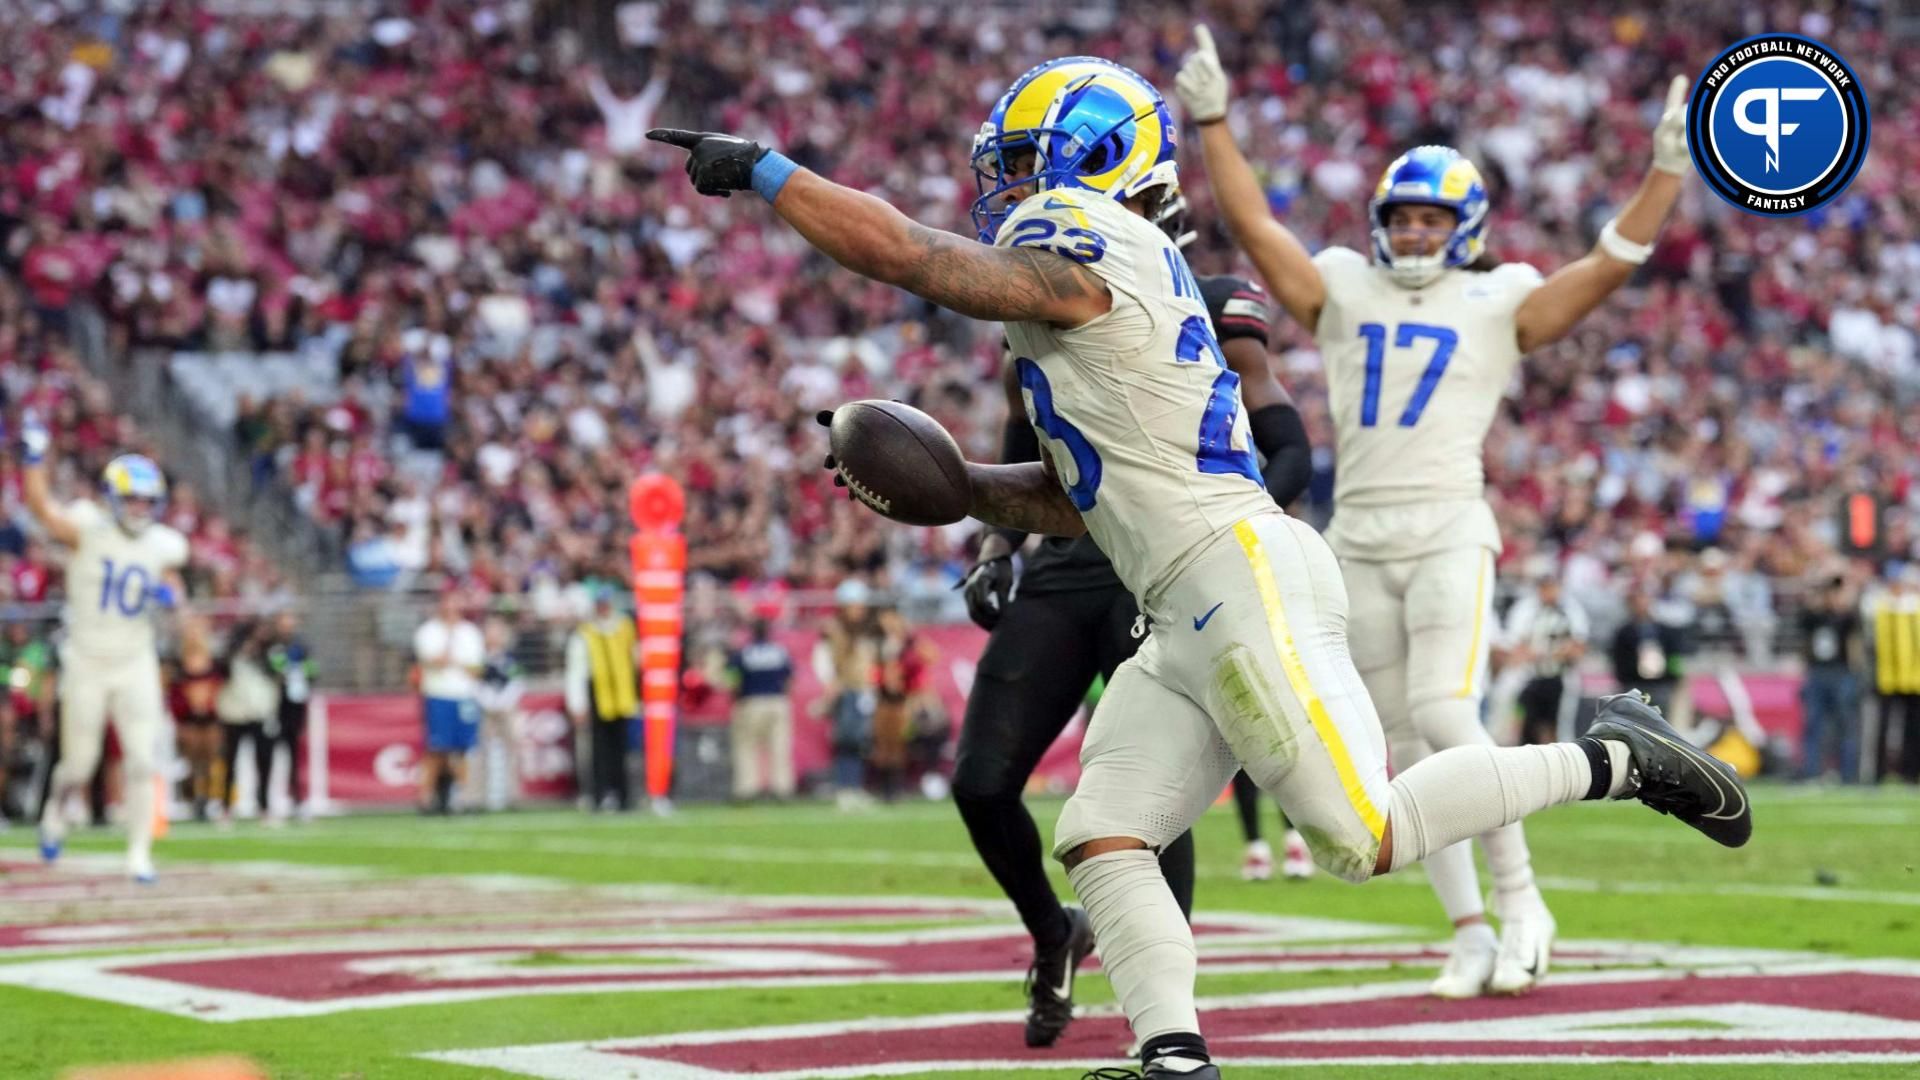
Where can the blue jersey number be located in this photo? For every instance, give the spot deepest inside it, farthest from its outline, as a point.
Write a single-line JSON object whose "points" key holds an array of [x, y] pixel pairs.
{"points": [[124, 590], [1083, 246], [1086, 460], [1216, 454], [1444, 341]]}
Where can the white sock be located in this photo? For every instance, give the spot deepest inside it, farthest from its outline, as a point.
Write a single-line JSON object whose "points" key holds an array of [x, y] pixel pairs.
{"points": [[1455, 881], [1478, 934], [1460, 793], [1146, 947], [138, 793], [1509, 860]]}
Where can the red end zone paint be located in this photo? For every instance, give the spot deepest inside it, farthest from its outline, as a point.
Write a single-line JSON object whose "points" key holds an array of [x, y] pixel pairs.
{"points": [[1586, 1017]]}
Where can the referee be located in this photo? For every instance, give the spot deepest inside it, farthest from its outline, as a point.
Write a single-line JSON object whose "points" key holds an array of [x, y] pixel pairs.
{"points": [[1070, 621]]}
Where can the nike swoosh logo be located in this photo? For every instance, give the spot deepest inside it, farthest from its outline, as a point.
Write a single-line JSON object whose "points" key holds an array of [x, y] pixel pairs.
{"points": [[1054, 203], [1065, 990], [1200, 621], [1711, 766]]}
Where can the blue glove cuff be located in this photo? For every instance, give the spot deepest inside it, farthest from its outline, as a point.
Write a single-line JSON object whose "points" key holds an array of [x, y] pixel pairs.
{"points": [[162, 595], [770, 174]]}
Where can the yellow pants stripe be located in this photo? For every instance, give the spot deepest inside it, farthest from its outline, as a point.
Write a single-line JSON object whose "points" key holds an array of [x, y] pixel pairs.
{"points": [[1296, 670], [1479, 617]]}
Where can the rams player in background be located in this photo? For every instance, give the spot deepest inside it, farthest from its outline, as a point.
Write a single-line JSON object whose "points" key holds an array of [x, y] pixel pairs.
{"points": [[1419, 346], [122, 568]]}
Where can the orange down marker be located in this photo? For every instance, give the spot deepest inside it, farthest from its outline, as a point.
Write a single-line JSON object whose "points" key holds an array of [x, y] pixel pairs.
{"points": [[659, 555]]}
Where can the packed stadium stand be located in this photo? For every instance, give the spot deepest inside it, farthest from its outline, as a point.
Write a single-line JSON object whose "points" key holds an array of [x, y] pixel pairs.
{"points": [[407, 271]]}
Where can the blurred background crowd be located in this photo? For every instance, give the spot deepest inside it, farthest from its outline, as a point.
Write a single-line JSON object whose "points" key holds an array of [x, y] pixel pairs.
{"points": [[446, 216]]}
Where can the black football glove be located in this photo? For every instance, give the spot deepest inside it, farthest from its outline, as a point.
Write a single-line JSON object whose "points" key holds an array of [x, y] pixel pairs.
{"points": [[718, 164], [988, 587]]}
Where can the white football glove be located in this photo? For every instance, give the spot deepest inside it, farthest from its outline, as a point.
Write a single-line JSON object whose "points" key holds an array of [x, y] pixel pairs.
{"points": [[1670, 135], [1201, 84]]}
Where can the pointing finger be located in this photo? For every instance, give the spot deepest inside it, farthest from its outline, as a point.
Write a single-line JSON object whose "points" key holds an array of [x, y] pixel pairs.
{"points": [[1202, 38], [1676, 92], [686, 140]]}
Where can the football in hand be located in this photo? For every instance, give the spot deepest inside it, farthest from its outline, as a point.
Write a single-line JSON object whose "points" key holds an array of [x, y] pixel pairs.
{"points": [[899, 461]]}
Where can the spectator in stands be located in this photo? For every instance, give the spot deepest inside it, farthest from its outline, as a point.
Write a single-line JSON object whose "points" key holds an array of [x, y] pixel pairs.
{"points": [[450, 654], [249, 695], [291, 661], [1830, 632], [193, 690], [603, 697], [1647, 653], [845, 659], [1545, 634], [761, 671], [501, 686]]}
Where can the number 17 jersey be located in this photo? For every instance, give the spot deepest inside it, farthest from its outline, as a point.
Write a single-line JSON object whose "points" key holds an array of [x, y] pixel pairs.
{"points": [[1414, 378], [1137, 409]]}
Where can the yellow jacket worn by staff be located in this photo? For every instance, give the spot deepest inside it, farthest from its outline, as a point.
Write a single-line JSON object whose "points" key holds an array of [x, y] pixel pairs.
{"points": [[1896, 644], [600, 670]]}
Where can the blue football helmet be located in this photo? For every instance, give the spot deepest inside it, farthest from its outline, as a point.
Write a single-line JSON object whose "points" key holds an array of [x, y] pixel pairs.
{"points": [[1431, 176], [1089, 123], [130, 477]]}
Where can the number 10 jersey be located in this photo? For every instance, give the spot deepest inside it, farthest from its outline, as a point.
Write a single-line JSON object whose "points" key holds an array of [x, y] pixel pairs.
{"points": [[1137, 408], [109, 581]]}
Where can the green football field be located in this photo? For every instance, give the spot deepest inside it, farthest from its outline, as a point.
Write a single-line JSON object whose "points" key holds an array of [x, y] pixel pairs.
{"points": [[799, 941]]}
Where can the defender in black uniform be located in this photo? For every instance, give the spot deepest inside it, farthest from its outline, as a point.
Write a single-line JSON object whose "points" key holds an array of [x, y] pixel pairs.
{"points": [[1071, 620]]}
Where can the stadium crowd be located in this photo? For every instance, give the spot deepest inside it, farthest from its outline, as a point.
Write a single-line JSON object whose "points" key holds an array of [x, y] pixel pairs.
{"points": [[459, 205]]}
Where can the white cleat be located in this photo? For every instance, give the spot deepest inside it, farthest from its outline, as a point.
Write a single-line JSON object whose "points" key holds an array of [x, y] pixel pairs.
{"points": [[1258, 865], [141, 871], [1526, 946], [1297, 865], [1469, 966]]}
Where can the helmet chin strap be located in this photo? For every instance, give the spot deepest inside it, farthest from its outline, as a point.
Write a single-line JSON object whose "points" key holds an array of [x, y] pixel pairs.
{"points": [[1411, 271]]}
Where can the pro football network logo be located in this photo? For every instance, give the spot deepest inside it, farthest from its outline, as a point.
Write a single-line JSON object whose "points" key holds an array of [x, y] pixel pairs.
{"points": [[1778, 124]]}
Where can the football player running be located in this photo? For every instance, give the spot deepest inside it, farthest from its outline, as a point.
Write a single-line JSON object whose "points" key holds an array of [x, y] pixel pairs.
{"points": [[1150, 454], [122, 566], [1072, 619], [1419, 346]]}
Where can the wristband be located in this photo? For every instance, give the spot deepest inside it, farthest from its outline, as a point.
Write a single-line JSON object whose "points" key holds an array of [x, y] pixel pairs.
{"points": [[771, 173], [1622, 248]]}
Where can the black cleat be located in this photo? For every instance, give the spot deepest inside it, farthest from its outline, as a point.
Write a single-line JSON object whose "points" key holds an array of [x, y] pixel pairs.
{"points": [[1050, 981], [1673, 776]]}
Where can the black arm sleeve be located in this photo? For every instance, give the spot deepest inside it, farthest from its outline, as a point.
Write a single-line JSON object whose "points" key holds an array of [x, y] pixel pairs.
{"points": [[1018, 444], [1281, 437]]}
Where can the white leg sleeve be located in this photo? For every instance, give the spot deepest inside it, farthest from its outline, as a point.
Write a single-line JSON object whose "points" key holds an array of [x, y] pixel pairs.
{"points": [[1460, 793], [1146, 946]]}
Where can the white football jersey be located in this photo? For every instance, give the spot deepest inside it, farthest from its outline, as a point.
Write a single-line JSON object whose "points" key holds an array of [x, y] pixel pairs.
{"points": [[109, 577], [1137, 408], [1414, 377]]}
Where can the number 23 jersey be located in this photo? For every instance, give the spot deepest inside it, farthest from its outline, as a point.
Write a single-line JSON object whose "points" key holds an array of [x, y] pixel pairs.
{"points": [[1414, 378], [109, 578], [1136, 408]]}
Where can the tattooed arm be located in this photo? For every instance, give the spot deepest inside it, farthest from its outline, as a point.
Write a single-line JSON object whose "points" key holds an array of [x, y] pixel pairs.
{"points": [[1024, 497], [871, 238]]}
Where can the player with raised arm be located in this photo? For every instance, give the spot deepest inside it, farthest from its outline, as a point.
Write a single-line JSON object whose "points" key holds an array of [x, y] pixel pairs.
{"points": [[1070, 620], [1419, 346], [1146, 450], [121, 567]]}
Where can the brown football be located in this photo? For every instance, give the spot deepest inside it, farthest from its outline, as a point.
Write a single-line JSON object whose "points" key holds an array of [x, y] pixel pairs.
{"points": [[900, 462]]}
